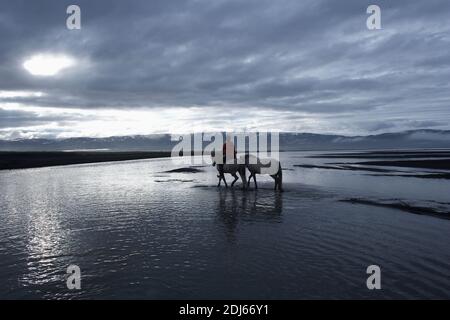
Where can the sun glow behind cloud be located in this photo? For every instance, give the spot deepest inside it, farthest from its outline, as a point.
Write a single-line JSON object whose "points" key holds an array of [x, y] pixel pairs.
{"points": [[47, 65], [20, 94], [74, 122]]}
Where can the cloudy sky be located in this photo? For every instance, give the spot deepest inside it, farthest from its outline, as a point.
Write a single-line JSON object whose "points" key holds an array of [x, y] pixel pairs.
{"points": [[151, 66]]}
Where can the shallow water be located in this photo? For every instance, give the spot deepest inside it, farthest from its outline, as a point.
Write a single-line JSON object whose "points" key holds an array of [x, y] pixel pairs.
{"points": [[139, 232]]}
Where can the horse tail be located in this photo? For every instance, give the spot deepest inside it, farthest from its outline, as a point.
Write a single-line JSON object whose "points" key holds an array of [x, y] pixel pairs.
{"points": [[280, 176]]}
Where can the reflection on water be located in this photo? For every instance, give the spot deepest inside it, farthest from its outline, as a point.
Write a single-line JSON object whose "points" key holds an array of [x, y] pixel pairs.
{"points": [[134, 236], [234, 205]]}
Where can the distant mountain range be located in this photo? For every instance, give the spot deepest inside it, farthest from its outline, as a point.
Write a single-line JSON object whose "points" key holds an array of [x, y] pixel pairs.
{"points": [[288, 141]]}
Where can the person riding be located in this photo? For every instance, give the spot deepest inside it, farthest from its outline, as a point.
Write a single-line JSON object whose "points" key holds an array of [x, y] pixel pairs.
{"points": [[229, 151]]}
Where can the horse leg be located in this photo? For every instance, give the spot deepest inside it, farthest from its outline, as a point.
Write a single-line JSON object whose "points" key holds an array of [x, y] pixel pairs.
{"points": [[235, 179], [254, 179], [249, 179], [243, 178], [225, 181], [279, 179], [275, 178], [220, 173]]}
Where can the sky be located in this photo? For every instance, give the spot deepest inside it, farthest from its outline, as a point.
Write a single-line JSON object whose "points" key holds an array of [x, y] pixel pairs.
{"points": [[151, 66]]}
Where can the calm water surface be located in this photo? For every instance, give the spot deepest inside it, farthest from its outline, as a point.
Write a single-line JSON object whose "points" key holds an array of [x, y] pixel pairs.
{"points": [[137, 232]]}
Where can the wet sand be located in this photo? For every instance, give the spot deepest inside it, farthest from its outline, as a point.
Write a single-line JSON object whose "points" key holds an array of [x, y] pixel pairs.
{"points": [[401, 205], [341, 167], [385, 155], [23, 160], [440, 164], [418, 159]]}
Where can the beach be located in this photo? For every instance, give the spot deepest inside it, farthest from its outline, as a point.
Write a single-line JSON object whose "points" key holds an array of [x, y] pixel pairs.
{"points": [[157, 229], [35, 159]]}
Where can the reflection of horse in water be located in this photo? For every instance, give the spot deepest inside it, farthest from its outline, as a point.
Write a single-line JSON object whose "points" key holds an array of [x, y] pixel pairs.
{"points": [[234, 206]]}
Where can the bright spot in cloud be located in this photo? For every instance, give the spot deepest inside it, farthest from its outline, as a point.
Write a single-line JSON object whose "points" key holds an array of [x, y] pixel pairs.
{"points": [[20, 94], [47, 65]]}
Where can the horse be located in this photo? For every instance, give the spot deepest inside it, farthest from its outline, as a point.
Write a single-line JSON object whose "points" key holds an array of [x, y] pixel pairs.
{"points": [[256, 166], [231, 168]]}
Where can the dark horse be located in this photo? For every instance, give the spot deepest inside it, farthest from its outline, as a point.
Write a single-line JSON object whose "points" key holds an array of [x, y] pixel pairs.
{"points": [[231, 168]]}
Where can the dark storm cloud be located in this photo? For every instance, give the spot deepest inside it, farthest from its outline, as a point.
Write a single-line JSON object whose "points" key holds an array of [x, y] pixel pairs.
{"points": [[10, 118], [308, 57], [17, 118]]}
